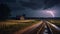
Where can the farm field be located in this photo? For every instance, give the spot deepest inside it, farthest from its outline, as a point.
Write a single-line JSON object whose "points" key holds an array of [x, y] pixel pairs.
{"points": [[10, 26]]}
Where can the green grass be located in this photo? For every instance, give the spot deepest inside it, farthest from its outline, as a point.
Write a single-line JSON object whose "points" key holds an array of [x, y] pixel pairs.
{"points": [[10, 28]]}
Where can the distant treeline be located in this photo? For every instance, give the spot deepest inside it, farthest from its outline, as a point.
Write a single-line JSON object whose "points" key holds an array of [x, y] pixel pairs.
{"points": [[35, 18]]}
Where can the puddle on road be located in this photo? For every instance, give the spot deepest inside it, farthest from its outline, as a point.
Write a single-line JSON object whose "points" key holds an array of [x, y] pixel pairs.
{"points": [[45, 31]]}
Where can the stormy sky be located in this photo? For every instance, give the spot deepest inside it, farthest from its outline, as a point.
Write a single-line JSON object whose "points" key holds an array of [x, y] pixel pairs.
{"points": [[33, 8]]}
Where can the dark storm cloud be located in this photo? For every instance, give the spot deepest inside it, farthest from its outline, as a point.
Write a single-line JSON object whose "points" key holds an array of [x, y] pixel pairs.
{"points": [[10, 3], [51, 3], [8, 0], [20, 6], [37, 4], [33, 4]]}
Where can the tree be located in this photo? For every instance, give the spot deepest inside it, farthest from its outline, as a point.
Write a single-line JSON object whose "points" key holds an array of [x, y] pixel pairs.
{"points": [[4, 11]]}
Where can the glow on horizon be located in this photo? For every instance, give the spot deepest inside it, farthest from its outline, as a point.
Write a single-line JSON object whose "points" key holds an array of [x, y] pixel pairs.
{"points": [[51, 12]]}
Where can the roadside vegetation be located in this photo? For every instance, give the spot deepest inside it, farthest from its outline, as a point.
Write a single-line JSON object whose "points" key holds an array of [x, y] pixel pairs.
{"points": [[8, 27], [55, 21]]}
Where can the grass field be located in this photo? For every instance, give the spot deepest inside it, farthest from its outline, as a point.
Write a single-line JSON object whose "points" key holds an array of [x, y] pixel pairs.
{"points": [[55, 21], [10, 26]]}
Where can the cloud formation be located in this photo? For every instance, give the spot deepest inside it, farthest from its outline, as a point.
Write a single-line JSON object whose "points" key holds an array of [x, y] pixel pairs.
{"points": [[25, 6], [37, 4]]}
